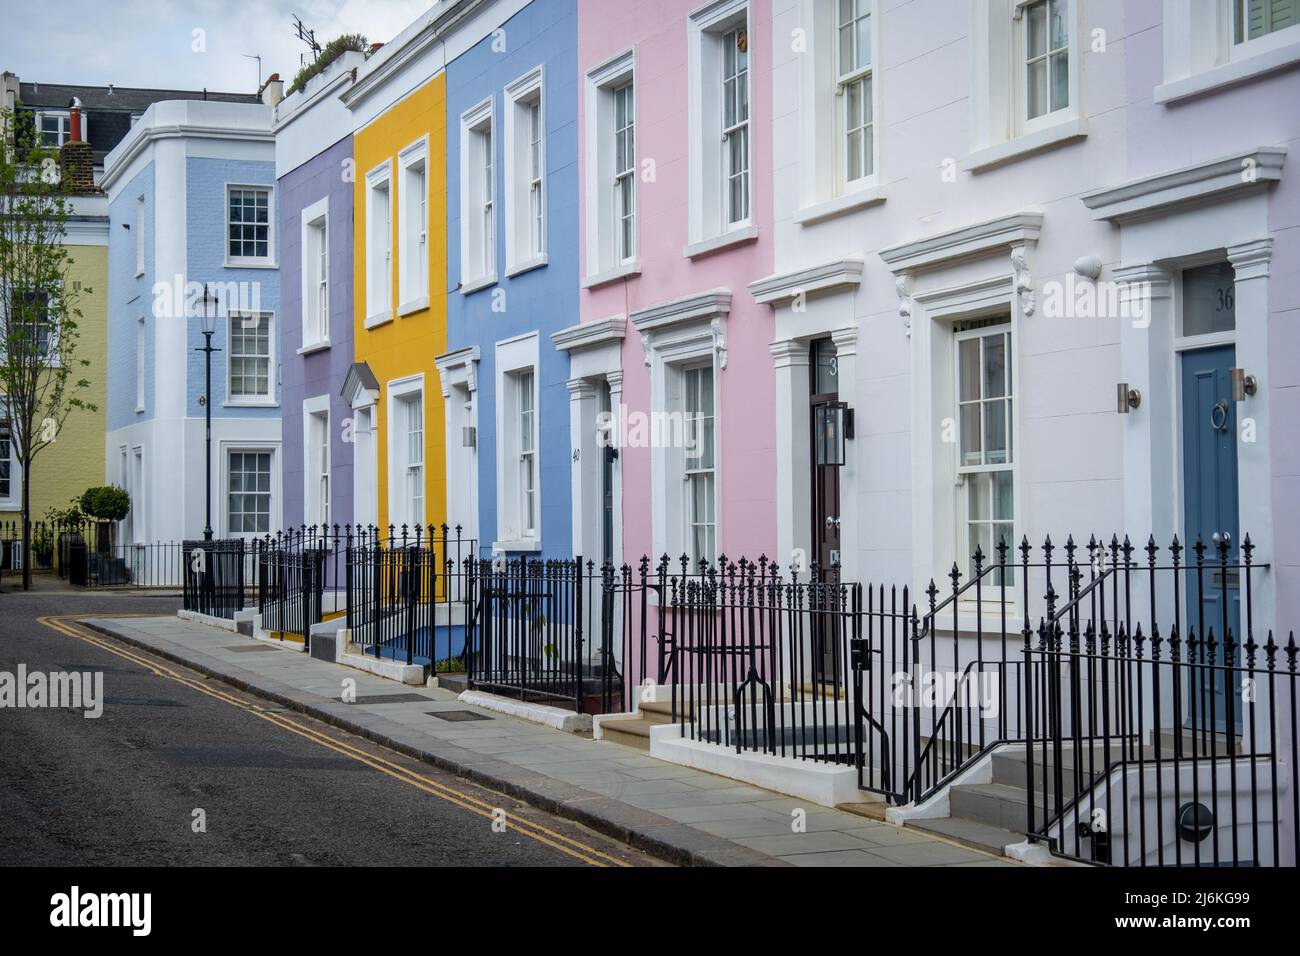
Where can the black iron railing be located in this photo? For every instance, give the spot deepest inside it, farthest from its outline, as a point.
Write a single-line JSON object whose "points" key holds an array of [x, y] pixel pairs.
{"points": [[214, 576], [290, 587], [409, 595]]}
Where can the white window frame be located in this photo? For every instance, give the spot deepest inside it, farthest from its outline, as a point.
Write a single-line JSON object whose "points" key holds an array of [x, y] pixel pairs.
{"points": [[315, 275], [965, 473], [1265, 41], [251, 262], [379, 257], [709, 215], [606, 260], [1023, 123], [691, 470], [478, 197], [844, 79], [413, 227], [65, 126], [401, 393], [1201, 54], [139, 236], [266, 399], [514, 358], [14, 499], [317, 461], [273, 521], [525, 174], [141, 344]]}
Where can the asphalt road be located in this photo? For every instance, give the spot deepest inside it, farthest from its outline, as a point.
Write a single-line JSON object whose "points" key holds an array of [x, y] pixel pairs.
{"points": [[123, 789]]}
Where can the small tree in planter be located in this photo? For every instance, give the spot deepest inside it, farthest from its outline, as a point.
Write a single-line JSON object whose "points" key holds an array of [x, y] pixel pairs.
{"points": [[107, 504]]}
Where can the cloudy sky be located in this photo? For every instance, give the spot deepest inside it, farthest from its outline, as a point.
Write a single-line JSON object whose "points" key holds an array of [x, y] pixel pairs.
{"points": [[153, 43]]}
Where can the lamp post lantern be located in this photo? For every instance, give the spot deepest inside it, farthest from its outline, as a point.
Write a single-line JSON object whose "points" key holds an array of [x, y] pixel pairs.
{"points": [[209, 319]]}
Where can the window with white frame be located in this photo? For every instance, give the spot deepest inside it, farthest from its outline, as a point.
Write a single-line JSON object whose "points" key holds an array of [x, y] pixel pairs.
{"points": [[10, 486], [526, 450], [316, 461], [379, 244], [140, 343], [248, 492], [315, 274], [250, 358], [1253, 19], [1046, 52], [699, 460], [413, 259], [611, 214], [478, 234], [408, 460], [853, 87], [525, 172], [624, 205], [54, 127], [31, 329], [139, 235], [985, 456], [249, 228], [720, 160]]}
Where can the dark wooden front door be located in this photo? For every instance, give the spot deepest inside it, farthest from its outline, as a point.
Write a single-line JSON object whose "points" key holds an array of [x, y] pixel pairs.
{"points": [[825, 509]]}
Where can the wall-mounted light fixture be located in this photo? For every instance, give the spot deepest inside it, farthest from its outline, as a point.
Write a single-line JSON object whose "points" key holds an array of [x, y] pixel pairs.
{"points": [[1242, 385], [833, 422], [1126, 399], [469, 436]]}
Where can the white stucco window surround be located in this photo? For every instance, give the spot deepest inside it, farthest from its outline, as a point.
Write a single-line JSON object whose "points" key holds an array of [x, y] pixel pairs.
{"points": [[478, 201], [1025, 89], [525, 172], [595, 359], [952, 286], [11, 475], [315, 268], [1205, 51], [809, 304], [379, 244], [678, 337], [720, 141], [458, 376], [250, 226], [518, 472], [611, 174], [245, 501], [413, 227], [316, 459], [1169, 222], [839, 115]]}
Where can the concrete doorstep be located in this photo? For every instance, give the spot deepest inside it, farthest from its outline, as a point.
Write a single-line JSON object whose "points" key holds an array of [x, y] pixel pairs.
{"points": [[680, 814]]}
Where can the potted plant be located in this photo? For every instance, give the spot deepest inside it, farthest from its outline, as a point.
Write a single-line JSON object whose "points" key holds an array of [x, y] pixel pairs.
{"points": [[107, 505]]}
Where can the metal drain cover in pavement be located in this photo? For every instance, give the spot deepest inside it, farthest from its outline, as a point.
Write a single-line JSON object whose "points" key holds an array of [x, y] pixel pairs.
{"points": [[455, 715], [245, 648], [391, 699]]}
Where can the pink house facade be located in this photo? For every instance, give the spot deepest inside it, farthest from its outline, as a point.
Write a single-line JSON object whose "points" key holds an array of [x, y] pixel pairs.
{"points": [[670, 362]]}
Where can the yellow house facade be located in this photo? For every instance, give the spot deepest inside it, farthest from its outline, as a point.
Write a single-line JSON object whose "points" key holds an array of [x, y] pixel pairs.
{"points": [[399, 303]]}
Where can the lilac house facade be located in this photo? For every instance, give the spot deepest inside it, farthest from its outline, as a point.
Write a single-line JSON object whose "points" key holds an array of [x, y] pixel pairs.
{"points": [[313, 170]]}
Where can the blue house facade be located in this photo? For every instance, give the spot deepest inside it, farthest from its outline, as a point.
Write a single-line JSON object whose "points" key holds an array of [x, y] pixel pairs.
{"points": [[512, 210], [193, 239]]}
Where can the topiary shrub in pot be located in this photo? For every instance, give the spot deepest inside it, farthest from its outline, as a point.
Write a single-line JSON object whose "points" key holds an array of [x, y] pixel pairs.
{"points": [[107, 504]]}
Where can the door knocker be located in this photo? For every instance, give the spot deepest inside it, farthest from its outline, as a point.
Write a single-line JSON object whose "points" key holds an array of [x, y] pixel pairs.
{"points": [[1219, 415]]}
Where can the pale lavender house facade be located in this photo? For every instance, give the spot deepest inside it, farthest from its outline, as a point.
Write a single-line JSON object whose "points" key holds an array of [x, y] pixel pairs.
{"points": [[313, 166]]}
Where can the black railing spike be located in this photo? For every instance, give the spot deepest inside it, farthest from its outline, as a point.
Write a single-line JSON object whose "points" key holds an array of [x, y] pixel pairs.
{"points": [[1290, 652], [1251, 649], [1270, 650]]}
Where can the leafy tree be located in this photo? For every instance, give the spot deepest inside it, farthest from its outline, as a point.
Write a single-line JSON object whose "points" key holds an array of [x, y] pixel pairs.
{"points": [[39, 383]]}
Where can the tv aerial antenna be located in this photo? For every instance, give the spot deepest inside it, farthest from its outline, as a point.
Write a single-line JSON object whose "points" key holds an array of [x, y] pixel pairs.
{"points": [[306, 35]]}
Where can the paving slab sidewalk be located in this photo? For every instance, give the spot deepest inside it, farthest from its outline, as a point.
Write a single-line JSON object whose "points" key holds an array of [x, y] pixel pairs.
{"points": [[682, 815]]}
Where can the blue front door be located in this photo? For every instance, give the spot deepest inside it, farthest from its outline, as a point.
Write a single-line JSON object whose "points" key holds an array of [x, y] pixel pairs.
{"points": [[1210, 512]]}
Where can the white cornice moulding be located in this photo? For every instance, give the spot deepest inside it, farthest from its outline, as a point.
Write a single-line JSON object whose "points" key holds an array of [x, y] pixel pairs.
{"points": [[1217, 179], [458, 366], [180, 131], [828, 277], [966, 242], [691, 308], [586, 335]]}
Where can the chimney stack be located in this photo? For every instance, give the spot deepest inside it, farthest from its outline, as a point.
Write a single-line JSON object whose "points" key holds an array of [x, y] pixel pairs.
{"points": [[76, 157], [272, 91]]}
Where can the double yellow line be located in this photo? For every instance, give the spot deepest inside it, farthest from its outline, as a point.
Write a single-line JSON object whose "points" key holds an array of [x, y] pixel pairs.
{"points": [[70, 626]]}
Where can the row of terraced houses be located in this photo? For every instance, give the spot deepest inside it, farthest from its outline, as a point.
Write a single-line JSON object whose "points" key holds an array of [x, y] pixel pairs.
{"points": [[867, 285]]}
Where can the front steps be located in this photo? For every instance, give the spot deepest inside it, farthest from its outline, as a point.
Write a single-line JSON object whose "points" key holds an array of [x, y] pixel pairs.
{"points": [[635, 731]]}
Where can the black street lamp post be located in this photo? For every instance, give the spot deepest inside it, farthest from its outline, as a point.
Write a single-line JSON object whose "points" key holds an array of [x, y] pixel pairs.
{"points": [[209, 317]]}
